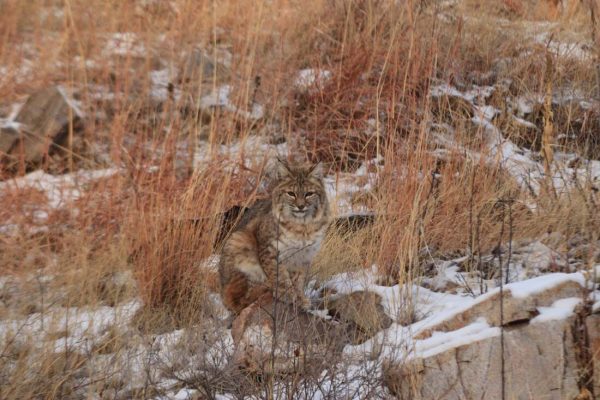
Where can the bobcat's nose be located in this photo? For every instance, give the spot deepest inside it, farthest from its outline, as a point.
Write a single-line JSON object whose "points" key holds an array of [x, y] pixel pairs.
{"points": [[300, 207]]}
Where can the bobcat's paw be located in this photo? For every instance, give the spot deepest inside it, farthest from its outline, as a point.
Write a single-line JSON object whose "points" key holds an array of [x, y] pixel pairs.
{"points": [[297, 300], [304, 302]]}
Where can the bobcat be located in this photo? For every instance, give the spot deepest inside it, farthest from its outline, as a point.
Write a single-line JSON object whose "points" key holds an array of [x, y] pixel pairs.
{"points": [[276, 240]]}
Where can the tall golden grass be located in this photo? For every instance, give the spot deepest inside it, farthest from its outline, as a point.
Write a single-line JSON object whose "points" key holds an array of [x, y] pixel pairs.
{"points": [[159, 216]]}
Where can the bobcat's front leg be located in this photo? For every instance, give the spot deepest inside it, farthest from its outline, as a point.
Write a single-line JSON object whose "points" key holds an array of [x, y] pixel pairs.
{"points": [[290, 292], [279, 279]]}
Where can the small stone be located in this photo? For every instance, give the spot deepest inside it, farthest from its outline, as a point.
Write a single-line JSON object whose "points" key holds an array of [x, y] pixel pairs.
{"points": [[554, 240], [310, 79], [8, 137], [117, 286], [537, 258], [199, 66], [219, 102], [45, 119]]}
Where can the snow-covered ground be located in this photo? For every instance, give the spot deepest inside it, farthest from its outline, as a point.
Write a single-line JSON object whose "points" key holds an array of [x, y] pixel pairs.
{"points": [[80, 330], [520, 162]]}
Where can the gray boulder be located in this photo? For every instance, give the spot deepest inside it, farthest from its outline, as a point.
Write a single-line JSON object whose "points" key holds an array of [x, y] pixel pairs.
{"points": [[553, 356], [539, 363], [43, 121]]}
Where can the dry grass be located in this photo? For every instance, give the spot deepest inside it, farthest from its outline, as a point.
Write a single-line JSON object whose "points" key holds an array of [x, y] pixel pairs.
{"points": [[383, 59]]}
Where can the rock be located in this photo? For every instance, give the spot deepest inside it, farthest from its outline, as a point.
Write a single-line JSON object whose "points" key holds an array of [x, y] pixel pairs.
{"points": [[116, 286], [304, 343], [219, 102], [202, 77], [274, 133], [8, 137], [539, 361], [199, 66], [538, 258], [483, 78], [585, 252], [45, 119], [593, 274], [515, 308], [127, 49], [362, 314], [521, 131], [554, 240], [553, 356], [592, 324]]}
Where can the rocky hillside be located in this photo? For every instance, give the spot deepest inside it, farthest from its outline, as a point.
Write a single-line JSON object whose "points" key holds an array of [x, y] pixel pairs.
{"points": [[461, 143]]}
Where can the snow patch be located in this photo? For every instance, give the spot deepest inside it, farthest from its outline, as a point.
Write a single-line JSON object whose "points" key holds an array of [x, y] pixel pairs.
{"points": [[123, 44], [59, 189], [440, 342], [311, 77], [161, 81], [220, 98], [560, 309], [542, 283]]}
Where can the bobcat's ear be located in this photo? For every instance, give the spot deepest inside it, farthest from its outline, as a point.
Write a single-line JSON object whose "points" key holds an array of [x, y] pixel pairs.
{"points": [[316, 170], [281, 168]]}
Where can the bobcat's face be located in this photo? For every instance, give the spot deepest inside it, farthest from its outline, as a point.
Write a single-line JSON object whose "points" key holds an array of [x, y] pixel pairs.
{"points": [[299, 194]]}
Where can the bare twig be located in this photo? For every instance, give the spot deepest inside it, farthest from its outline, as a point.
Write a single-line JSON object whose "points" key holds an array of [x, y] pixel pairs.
{"points": [[502, 360]]}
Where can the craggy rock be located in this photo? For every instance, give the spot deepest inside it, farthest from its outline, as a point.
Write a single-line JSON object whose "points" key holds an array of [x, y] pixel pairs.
{"points": [[539, 361], [202, 76], [538, 258], [592, 324], [44, 120], [515, 309], [199, 66], [555, 356], [116, 286], [219, 102], [9, 134]]}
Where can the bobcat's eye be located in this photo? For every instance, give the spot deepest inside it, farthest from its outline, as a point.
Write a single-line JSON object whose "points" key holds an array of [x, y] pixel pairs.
{"points": [[291, 194], [309, 194]]}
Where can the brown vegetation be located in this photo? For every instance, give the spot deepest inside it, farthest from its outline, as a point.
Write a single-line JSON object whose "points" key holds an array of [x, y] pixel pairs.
{"points": [[159, 215]]}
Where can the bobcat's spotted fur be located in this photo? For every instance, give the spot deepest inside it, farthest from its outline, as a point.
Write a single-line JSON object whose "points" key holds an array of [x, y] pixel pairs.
{"points": [[281, 233]]}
